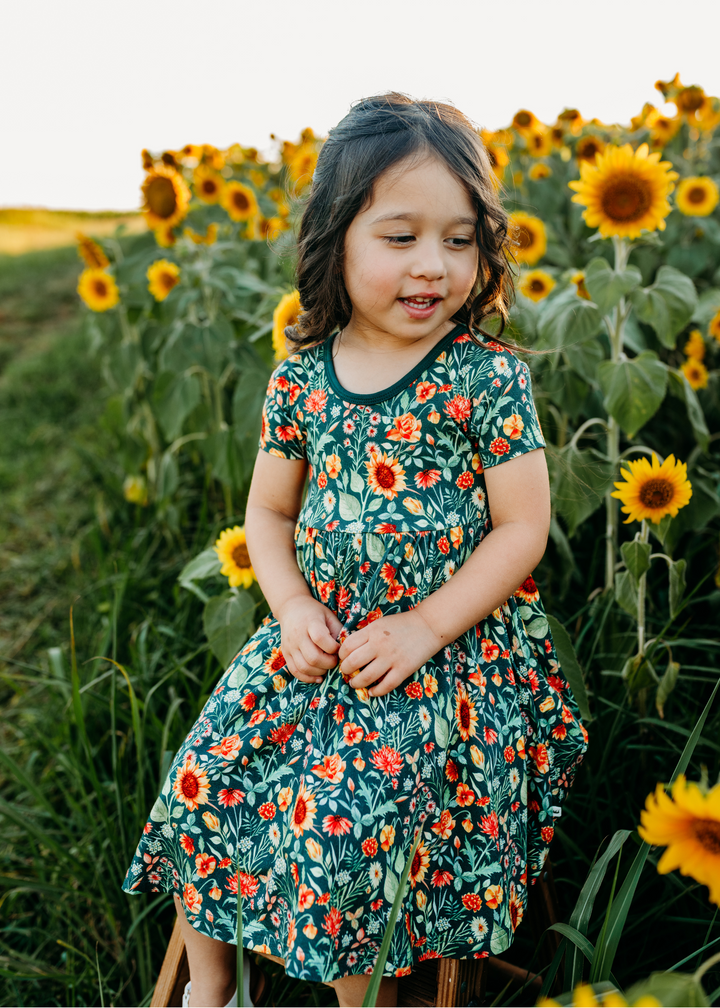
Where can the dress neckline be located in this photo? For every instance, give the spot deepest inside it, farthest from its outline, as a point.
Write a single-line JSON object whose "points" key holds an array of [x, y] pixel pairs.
{"points": [[387, 393]]}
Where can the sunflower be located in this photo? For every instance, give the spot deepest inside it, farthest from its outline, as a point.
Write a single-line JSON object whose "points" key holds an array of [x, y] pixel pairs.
{"points": [[209, 238], [239, 201], [286, 314], [420, 865], [588, 148], [695, 346], [697, 196], [191, 784], [540, 171], [652, 490], [695, 372], [539, 142], [465, 714], [687, 823], [497, 154], [385, 475], [571, 119], [233, 552], [530, 236], [536, 284], [579, 280], [163, 276], [302, 165], [98, 289], [662, 128], [714, 326], [91, 253], [625, 191], [208, 184], [165, 197], [303, 813], [265, 228], [689, 100], [524, 121], [165, 236]]}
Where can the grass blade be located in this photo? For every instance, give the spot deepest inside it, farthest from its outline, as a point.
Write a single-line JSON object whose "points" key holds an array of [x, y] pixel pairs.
{"points": [[374, 986]]}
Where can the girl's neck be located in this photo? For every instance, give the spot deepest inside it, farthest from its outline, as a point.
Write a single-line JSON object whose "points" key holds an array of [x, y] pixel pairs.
{"points": [[367, 361]]}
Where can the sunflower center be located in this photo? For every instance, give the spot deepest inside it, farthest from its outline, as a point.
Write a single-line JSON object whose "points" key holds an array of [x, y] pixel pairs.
{"points": [[240, 201], [241, 556], [696, 195], [415, 867], [385, 476], [464, 715], [300, 810], [168, 280], [190, 786], [690, 99], [626, 198], [708, 833], [100, 288], [525, 237], [209, 187], [161, 197], [537, 286], [523, 119], [656, 493]]}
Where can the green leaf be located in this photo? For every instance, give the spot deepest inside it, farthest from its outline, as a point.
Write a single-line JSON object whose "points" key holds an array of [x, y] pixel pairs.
{"points": [[442, 732], [638, 674], [636, 555], [584, 358], [538, 627], [374, 547], [682, 388], [228, 622], [677, 585], [606, 286], [249, 396], [666, 686], [669, 989], [668, 305], [567, 319], [204, 565], [349, 507], [570, 666], [390, 886], [221, 451], [168, 476], [633, 389], [579, 482], [175, 398], [604, 956]]}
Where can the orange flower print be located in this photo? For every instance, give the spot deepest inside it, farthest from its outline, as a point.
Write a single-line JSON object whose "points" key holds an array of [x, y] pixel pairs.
{"points": [[444, 826], [419, 866], [499, 446], [303, 813], [275, 661], [395, 591], [494, 896], [385, 475], [471, 901], [388, 572], [465, 714], [267, 810], [425, 390], [215, 893], [520, 746], [528, 591], [316, 401], [305, 897], [515, 907], [490, 825], [490, 650], [387, 837], [465, 480], [413, 505], [459, 408], [191, 785], [228, 748], [332, 922], [352, 733], [285, 796], [451, 770], [333, 464], [211, 821], [228, 797], [331, 769], [336, 825], [476, 463], [559, 732], [388, 760], [509, 754], [427, 478], [406, 428], [249, 885], [414, 690], [187, 843], [205, 865], [376, 614], [465, 796], [310, 931], [547, 833], [443, 545], [441, 878], [513, 426], [539, 756], [430, 684], [456, 536], [369, 846], [192, 898]]}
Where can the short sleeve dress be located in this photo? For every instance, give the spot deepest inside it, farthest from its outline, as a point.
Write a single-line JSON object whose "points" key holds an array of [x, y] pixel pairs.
{"points": [[308, 796]]}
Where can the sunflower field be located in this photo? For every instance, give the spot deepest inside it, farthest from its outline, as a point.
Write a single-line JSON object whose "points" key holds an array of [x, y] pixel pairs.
{"points": [[617, 232]]}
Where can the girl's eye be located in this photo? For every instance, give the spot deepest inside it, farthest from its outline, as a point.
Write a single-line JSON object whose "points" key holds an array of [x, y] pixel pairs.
{"points": [[461, 242], [399, 239]]}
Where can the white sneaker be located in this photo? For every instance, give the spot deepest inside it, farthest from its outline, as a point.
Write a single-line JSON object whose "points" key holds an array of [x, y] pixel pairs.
{"points": [[232, 1003]]}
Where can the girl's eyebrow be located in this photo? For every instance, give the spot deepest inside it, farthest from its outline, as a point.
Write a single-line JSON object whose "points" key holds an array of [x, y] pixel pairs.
{"points": [[413, 216]]}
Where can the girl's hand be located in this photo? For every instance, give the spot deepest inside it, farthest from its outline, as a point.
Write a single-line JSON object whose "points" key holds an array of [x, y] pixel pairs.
{"points": [[308, 631], [388, 651]]}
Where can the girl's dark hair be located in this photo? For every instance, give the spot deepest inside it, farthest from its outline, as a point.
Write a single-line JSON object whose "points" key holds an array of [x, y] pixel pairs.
{"points": [[376, 134]]}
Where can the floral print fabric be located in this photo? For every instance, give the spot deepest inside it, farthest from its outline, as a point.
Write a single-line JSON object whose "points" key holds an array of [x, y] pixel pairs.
{"points": [[307, 796]]}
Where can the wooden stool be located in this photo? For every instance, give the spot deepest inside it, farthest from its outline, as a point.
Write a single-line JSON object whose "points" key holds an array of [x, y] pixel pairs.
{"points": [[436, 983]]}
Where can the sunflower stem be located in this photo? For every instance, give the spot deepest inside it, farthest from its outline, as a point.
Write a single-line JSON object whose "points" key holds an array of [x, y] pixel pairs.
{"points": [[642, 585], [616, 332]]}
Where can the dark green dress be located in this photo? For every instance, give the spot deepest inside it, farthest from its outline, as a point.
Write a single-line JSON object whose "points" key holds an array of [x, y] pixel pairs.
{"points": [[315, 791]]}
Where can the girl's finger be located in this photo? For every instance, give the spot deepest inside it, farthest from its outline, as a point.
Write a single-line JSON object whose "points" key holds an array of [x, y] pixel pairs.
{"points": [[320, 635], [316, 662], [351, 643], [362, 655], [370, 674], [333, 624]]}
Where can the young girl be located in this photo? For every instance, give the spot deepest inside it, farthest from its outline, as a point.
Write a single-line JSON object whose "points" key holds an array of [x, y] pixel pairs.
{"points": [[406, 679]]}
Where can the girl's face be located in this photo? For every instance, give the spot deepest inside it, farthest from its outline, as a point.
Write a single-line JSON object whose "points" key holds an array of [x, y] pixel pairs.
{"points": [[411, 256]]}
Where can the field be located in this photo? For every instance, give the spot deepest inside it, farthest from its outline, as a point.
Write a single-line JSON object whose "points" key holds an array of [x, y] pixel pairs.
{"points": [[127, 451]]}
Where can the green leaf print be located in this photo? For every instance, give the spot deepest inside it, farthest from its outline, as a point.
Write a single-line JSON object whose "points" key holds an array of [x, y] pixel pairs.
{"points": [[349, 507]]}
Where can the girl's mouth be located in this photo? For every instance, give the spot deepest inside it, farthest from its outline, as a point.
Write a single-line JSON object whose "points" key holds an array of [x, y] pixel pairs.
{"points": [[420, 307]]}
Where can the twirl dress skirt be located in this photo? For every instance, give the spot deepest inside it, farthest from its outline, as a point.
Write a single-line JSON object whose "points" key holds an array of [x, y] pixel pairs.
{"points": [[308, 796]]}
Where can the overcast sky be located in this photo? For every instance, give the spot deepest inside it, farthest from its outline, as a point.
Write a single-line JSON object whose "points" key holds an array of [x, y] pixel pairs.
{"points": [[86, 84]]}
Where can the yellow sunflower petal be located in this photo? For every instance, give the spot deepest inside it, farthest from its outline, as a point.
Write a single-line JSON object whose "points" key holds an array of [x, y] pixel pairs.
{"points": [[651, 491], [165, 197], [697, 196], [163, 275], [240, 201], [286, 313], [91, 253], [232, 550], [625, 192], [98, 289], [208, 184], [695, 372], [695, 346], [536, 284], [531, 237]]}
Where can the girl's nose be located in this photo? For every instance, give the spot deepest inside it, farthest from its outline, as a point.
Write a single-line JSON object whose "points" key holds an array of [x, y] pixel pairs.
{"points": [[428, 262]]}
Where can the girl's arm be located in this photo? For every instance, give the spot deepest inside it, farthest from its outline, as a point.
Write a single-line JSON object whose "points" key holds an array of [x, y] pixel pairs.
{"points": [[308, 628], [394, 647]]}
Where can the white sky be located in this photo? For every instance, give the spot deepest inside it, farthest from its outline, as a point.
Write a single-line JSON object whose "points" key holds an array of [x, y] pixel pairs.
{"points": [[87, 83]]}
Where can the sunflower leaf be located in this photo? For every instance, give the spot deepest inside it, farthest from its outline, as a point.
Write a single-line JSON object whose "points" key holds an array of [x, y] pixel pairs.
{"points": [[606, 286], [567, 319], [579, 481], [569, 666], [228, 622], [668, 305], [677, 586], [626, 593], [682, 388], [666, 686], [633, 389], [636, 555]]}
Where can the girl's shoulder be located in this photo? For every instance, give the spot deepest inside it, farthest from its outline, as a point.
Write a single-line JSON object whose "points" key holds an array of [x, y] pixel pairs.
{"points": [[485, 362]]}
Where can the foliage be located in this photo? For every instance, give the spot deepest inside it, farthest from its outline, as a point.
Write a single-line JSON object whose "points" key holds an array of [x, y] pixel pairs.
{"points": [[147, 488]]}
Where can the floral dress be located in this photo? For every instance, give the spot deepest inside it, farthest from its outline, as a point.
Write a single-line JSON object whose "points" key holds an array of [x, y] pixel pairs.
{"points": [[308, 796]]}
